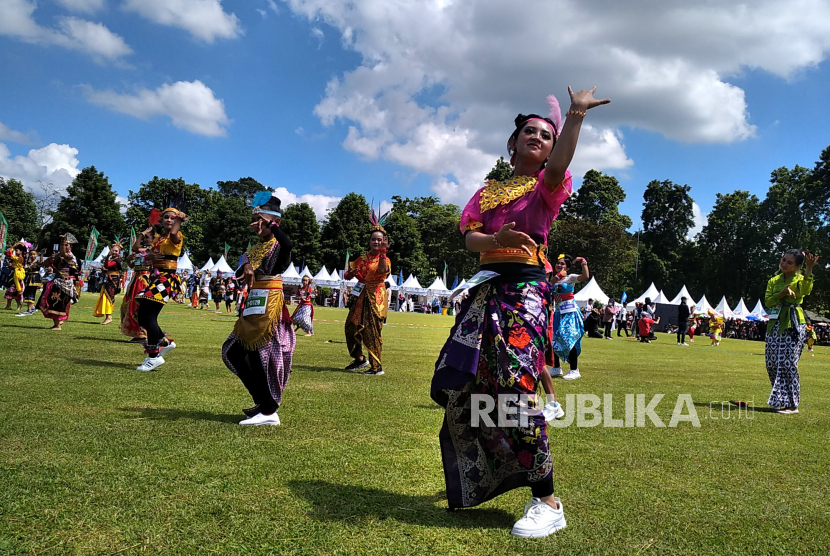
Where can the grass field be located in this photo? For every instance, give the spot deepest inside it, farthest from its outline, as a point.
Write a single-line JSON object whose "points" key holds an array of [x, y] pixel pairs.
{"points": [[97, 458]]}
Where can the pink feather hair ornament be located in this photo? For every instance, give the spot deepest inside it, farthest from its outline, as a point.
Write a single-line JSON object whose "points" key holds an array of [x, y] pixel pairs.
{"points": [[555, 113]]}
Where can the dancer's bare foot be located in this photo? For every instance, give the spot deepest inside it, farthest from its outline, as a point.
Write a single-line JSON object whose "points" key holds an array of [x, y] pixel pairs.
{"points": [[107, 320], [56, 327]]}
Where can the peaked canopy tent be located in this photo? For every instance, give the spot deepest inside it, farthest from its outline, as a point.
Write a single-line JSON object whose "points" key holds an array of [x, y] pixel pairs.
{"points": [[306, 272], [291, 276], [661, 298], [652, 292], [723, 308], [590, 291], [702, 307], [222, 266], [100, 258], [438, 288], [184, 264], [323, 278], [741, 311], [411, 285], [758, 311], [390, 282], [207, 266], [683, 293]]}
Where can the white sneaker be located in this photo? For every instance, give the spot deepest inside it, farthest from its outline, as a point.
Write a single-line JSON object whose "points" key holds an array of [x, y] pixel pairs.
{"points": [[555, 371], [150, 363], [552, 411], [539, 520], [573, 374], [260, 419], [167, 349], [678, 343], [685, 344]]}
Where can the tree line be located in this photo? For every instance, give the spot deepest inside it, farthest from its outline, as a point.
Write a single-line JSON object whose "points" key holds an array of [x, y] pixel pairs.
{"points": [[733, 255]]}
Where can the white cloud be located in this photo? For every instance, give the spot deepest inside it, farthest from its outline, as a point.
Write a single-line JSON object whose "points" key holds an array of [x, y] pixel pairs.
{"points": [[8, 134], [701, 220], [73, 33], [124, 202], [273, 6], [204, 19], [86, 6], [263, 13], [441, 81], [53, 163], [319, 203], [318, 34], [191, 105]]}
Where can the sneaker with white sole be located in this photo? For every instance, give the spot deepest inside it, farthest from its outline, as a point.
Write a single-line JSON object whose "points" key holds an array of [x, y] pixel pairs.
{"points": [[357, 365], [555, 371], [552, 411], [573, 374], [260, 419], [167, 349], [150, 363], [539, 520]]}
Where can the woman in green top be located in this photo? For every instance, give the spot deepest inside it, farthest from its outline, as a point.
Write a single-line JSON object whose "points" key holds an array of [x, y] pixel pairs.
{"points": [[787, 328]]}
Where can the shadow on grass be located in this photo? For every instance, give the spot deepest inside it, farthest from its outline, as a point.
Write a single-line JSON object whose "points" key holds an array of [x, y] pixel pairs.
{"points": [[338, 502], [99, 363], [168, 414], [324, 369], [715, 405], [24, 326], [117, 340]]}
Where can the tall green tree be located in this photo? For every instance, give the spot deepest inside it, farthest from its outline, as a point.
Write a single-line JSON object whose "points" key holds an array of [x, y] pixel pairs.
{"points": [[244, 188], [405, 250], [227, 221], [89, 202], [300, 224], [733, 248], [156, 193], [597, 200], [667, 217], [18, 206], [346, 228], [501, 171]]}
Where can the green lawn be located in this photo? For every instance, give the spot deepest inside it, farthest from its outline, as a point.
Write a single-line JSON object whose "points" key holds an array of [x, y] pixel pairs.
{"points": [[97, 458]]}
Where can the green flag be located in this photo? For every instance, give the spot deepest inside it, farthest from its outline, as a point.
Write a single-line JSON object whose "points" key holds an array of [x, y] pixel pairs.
{"points": [[132, 237], [92, 245], [227, 248], [445, 274], [346, 265], [4, 232], [249, 244]]}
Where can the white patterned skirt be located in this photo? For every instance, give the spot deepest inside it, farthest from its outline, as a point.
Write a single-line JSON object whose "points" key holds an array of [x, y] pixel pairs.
{"points": [[783, 351], [304, 318]]}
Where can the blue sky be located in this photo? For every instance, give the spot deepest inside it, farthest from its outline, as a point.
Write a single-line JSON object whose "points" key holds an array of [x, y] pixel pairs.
{"points": [[413, 98]]}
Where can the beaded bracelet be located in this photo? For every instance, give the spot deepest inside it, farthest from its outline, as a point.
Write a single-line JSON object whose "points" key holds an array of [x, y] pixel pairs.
{"points": [[576, 113]]}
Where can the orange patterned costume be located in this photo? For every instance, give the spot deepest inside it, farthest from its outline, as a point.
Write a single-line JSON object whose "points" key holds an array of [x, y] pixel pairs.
{"points": [[367, 311]]}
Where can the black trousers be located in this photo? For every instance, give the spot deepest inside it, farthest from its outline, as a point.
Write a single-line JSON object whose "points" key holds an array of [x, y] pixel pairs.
{"points": [[681, 334], [542, 488], [607, 326], [249, 369], [622, 325], [573, 360], [148, 319]]}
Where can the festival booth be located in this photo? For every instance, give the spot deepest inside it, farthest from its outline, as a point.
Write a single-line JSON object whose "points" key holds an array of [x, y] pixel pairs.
{"points": [[740, 311], [184, 265], [703, 306], [759, 312], [291, 276], [683, 293], [208, 265], [591, 290], [323, 278], [650, 293], [223, 267]]}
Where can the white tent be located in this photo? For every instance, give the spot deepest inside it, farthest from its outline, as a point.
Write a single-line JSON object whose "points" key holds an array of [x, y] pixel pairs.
{"points": [[411, 285], [390, 282], [207, 266], [741, 311], [438, 288], [184, 264], [323, 275], [651, 293], [306, 272], [702, 307], [291, 276], [100, 258], [723, 308], [222, 266], [661, 298], [683, 293], [590, 291], [758, 311]]}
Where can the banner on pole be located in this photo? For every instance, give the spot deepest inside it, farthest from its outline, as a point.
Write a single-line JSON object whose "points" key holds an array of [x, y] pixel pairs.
{"points": [[4, 232], [92, 245], [132, 237]]}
